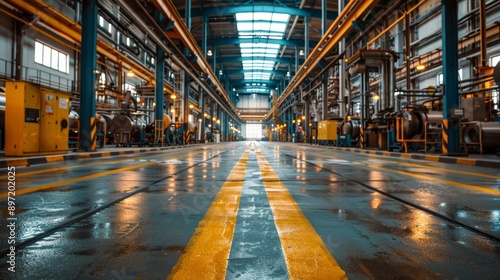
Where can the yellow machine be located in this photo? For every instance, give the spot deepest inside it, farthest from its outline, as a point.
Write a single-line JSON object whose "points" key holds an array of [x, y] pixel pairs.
{"points": [[327, 130], [36, 120]]}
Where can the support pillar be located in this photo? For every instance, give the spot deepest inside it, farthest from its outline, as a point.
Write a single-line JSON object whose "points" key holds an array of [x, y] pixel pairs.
{"points": [[451, 129], [87, 76]]}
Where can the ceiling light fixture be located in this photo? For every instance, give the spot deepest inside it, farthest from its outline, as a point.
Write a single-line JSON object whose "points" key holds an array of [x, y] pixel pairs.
{"points": [[209, 52], [301, 52]]}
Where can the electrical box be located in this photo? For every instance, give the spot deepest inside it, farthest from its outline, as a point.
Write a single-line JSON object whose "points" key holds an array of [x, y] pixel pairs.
{"points": [[36, 120], [327, 130]]}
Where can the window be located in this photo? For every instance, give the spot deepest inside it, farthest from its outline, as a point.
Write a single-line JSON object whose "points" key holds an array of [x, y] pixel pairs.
{"points": [[440, 77], [253, 131], [50, 57]]}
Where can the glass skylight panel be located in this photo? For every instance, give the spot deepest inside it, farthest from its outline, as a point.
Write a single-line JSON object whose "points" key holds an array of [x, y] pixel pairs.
{"points": [[262, 25]]}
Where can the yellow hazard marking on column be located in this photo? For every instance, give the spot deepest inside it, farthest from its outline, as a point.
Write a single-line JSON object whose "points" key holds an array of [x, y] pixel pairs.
{"points": [[444, 134], [306, 256], [207, 253], [93, 130]]}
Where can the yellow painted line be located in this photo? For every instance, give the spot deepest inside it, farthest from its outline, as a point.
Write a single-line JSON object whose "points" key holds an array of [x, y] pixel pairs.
{"points": [[207, 253], [17, 162], [88, 177], [437, 168], [406, 156], [306, 255], [467, 161], [434, 179], [65, 182], [54, 158], [431, 158], [59, 169]]}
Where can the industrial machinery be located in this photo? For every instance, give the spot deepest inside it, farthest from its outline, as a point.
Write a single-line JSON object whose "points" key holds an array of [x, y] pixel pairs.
{"points": [[327, 132], [36, 120], [416, 124], [481, 136]]}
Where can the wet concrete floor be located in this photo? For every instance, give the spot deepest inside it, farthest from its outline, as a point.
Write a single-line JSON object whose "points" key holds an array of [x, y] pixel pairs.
{"points": [[266, 210]]}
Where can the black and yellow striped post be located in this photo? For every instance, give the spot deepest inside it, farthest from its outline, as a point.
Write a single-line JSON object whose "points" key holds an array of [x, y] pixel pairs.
{"points": [[445, 136], [93, 131], [361, 137]]}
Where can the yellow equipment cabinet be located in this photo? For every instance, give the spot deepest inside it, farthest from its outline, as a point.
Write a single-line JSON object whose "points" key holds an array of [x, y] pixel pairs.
{"points": [[327, 130], [36, 120]]}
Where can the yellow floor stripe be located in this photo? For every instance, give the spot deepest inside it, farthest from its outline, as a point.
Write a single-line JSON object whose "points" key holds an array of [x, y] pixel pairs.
{"points": [[88, 177], [63, 168], [433, 167], [306, 255], [206, 255]]}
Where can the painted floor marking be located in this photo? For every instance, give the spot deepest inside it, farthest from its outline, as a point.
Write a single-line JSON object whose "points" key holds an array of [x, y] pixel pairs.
{"points": [[83, 178], [207, 253], [306, 255], [434, 179]]}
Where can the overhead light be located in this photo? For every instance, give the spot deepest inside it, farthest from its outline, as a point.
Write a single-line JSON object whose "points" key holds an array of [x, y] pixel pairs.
{"points": [[220, 72], [420, 66], [173, 96], [301, 52], [130, 73], [191, 106], [209, 52], [288, 73]]}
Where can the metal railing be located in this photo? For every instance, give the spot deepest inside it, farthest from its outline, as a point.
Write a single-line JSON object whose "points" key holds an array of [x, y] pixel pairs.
{"points": [[37, 76]]}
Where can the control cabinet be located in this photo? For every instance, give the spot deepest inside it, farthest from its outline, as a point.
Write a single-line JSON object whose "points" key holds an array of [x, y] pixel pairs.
{"points": [[327, 130], [36, 120]]}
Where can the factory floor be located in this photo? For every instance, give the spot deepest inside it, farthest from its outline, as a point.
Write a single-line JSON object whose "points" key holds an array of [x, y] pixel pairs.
{"points": [[250, 210]]}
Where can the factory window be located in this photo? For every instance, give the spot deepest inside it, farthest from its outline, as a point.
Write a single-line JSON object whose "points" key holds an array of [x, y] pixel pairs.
{"points": [[440, 77], [253, 131], [104, 25], [51, 57]]}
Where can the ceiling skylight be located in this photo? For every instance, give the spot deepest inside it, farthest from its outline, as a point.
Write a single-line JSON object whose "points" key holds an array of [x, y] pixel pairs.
{"points": [[259, 58]]}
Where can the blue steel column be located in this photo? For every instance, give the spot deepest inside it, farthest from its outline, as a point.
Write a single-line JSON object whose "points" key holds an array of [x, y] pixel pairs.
{"points": [[160, 74], [296, 60], [87, 76], [202, 92], [450, 73], [204, 36], [188, 14], [323, 17], [306, 38]]}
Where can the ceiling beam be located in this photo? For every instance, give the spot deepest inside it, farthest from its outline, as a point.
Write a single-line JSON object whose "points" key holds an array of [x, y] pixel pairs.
{"points": [[237, 41], [271, 8]]}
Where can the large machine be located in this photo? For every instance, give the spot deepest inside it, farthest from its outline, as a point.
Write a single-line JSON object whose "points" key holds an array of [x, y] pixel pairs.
{"points": [[36, 120]]}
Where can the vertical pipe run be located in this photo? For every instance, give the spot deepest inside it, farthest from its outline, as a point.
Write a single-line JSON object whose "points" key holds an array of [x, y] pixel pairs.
{"points": [[89, 53], [482, 32], [408, 51], [203, 111], [341, 73]]}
